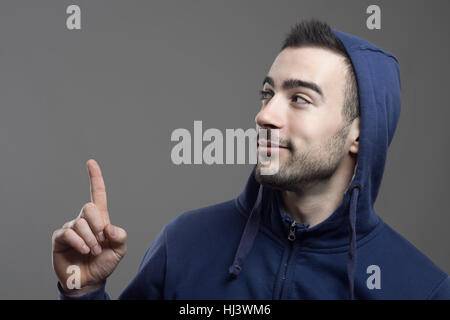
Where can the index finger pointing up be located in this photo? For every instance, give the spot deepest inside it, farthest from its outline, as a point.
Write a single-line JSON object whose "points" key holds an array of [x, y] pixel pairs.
{"points": [[98, 190]]}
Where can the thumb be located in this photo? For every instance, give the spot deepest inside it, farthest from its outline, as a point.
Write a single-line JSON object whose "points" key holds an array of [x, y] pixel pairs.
{"points": [[117, 238]]}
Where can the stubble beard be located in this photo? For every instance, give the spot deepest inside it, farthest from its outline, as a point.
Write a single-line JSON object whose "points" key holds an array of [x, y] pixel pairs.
{"points": [[305, 168]]}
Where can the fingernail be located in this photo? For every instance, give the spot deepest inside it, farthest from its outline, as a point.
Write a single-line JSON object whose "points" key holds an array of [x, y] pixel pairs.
{"points": [[97, 250], [113, 231], [85, 248], [101, 236]]}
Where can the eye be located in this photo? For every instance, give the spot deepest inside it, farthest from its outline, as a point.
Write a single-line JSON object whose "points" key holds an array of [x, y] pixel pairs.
{"points": [[300, 100], [264, 95]]}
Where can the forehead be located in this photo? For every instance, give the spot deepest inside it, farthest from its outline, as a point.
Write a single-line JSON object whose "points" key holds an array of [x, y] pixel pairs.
{"points": [[321, 66]]}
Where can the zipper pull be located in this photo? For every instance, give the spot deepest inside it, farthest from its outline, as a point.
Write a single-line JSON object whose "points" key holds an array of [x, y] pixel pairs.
{"points": [[291, 236]]}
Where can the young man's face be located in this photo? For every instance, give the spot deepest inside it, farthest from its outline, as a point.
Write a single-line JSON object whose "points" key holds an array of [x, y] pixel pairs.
{"points": [[312, 130]]}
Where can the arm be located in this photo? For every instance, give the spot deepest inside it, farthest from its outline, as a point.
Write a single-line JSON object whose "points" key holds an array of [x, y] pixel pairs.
{"points": [[149, 281]]}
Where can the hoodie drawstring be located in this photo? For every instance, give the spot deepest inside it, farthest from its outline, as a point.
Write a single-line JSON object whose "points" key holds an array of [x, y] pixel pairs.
{"points": [[248, 236], [252, 227], [351, 260]]}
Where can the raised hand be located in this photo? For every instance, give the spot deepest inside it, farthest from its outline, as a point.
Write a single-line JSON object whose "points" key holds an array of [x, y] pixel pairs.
{"points": [[89, 242]]}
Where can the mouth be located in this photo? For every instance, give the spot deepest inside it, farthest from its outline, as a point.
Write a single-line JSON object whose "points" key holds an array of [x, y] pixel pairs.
{"points": [[268, 147], [270, 144]]}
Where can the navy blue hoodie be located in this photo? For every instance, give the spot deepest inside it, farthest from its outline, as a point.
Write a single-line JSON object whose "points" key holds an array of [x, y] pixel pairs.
{"points": [[249, 248]]}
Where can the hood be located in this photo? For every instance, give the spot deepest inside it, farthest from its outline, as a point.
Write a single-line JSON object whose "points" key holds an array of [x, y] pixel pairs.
{"points": [[378, 77]]}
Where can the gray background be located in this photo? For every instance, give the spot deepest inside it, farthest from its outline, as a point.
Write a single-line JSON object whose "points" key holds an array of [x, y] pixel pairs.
{"points": [[138, 70]]}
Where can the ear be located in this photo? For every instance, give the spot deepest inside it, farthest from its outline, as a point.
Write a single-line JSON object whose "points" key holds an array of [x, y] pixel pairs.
{"points": [[354, 136]]}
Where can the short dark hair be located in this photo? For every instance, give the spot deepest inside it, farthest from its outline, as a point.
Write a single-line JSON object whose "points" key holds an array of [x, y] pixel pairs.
{"points": [[315, 33]]}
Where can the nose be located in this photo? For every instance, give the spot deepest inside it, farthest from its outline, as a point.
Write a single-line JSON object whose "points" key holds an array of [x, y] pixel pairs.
{"points": [[270, 115]]}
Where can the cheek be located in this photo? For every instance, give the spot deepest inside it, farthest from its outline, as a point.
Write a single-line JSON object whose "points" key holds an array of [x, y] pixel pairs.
{"points": [[302, 128], [310, 129]]}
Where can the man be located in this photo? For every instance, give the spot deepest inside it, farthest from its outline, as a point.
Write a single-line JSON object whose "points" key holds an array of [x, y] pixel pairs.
{"points": [[309, 231]]}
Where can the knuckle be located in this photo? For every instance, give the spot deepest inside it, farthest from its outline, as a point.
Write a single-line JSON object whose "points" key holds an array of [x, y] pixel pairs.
{"points": [[99, 190], [79, 223], [87, 207], [66, 234], [66, 225], [56, 234]]}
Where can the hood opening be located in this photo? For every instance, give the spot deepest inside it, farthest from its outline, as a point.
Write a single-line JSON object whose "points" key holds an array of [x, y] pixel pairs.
{"points": [[378, 77]]}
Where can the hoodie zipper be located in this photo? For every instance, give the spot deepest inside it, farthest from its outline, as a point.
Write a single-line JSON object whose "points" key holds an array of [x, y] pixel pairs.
{"points": [[292, 229], [291, 248], [291, 237]]}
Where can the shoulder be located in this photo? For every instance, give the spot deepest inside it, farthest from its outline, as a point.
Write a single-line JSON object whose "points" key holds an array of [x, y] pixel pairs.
{"points": [[395, 243], [405, 264]]}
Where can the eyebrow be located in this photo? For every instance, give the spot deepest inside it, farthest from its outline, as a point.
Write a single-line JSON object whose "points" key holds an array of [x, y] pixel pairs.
{"points": [[295, 83]]}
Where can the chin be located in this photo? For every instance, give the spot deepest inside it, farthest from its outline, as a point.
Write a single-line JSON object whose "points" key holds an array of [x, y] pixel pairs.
{"points": [[281, 180], [267, 180]]}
